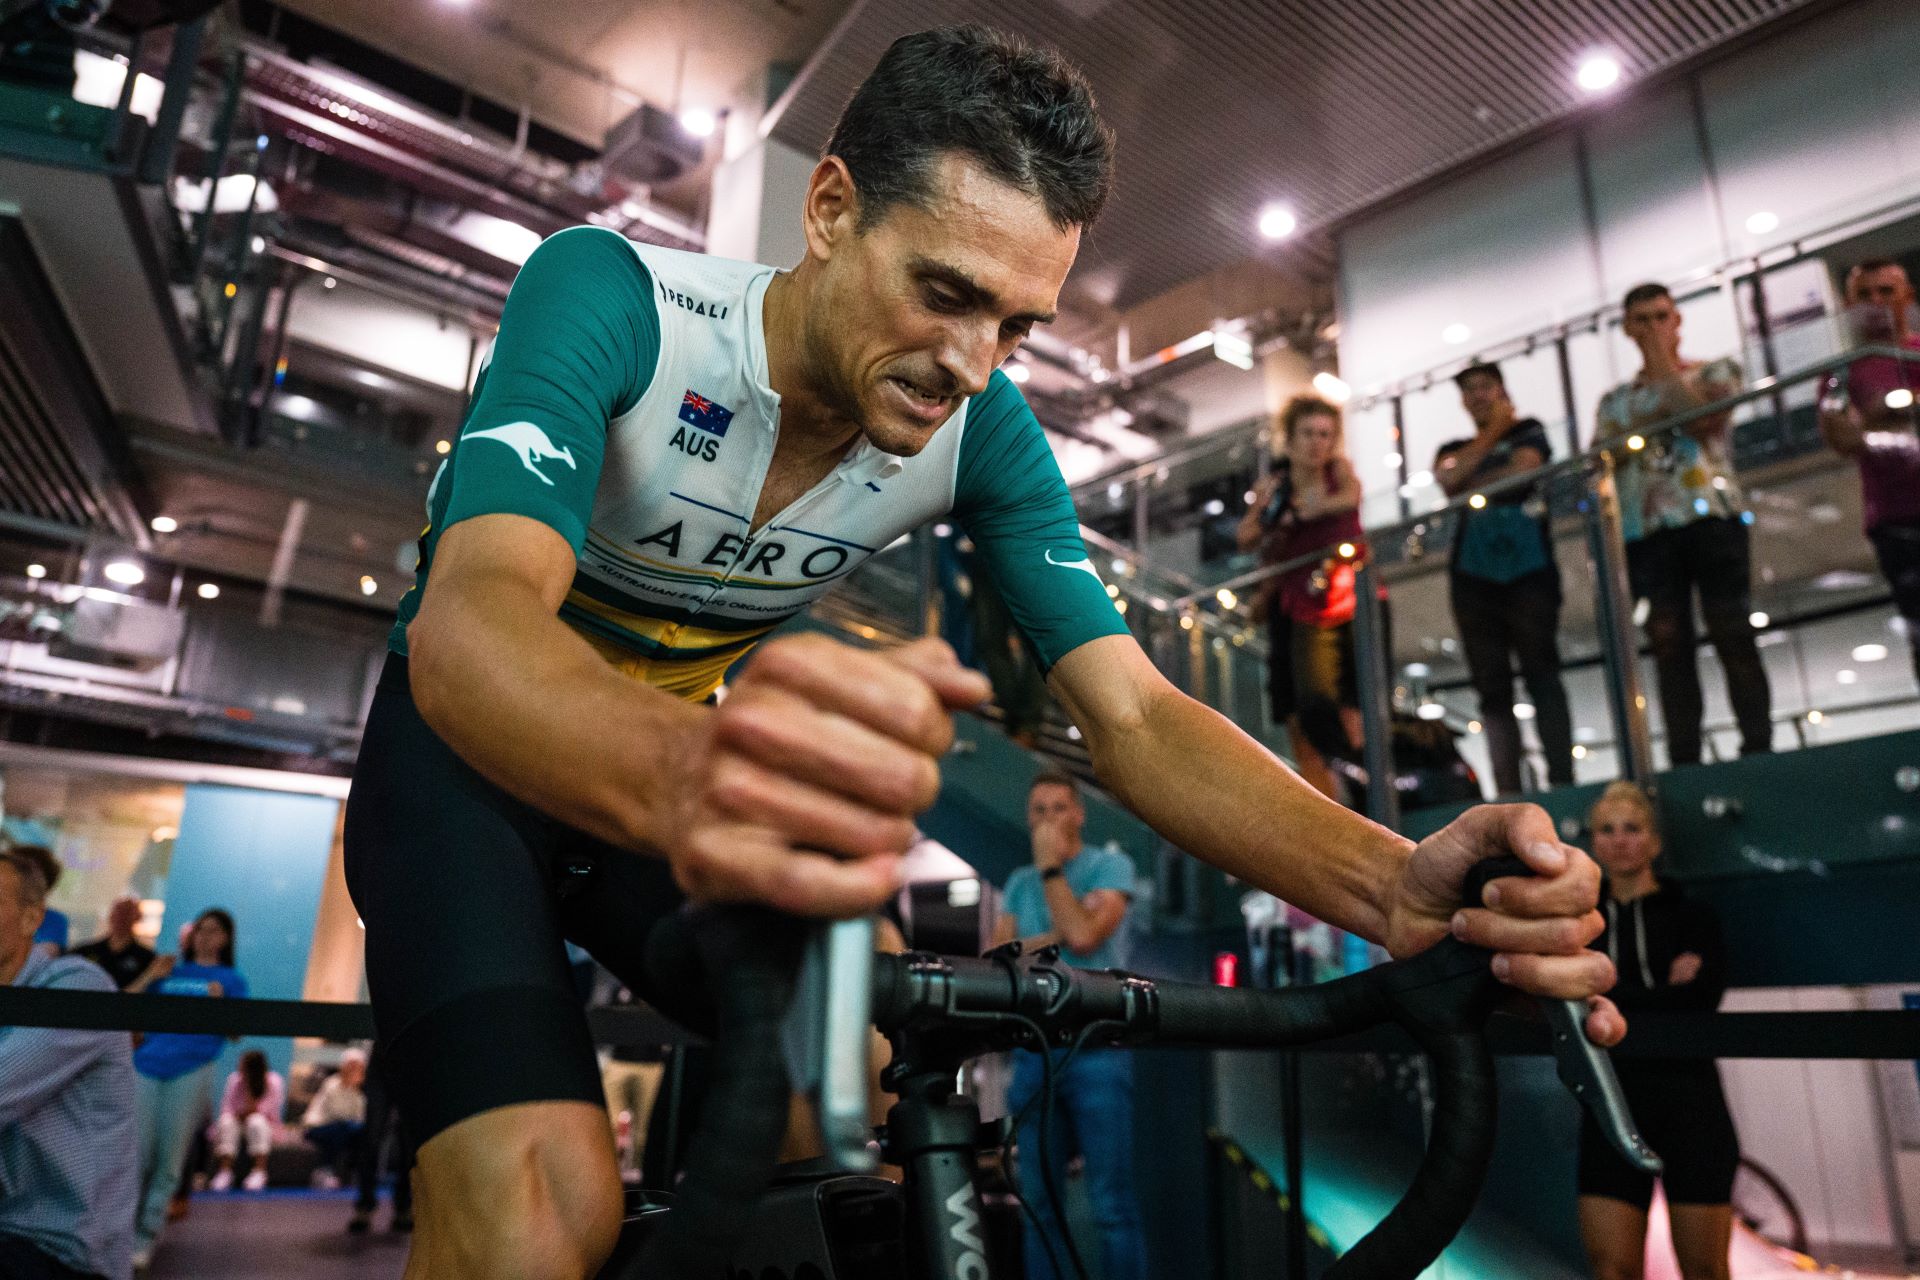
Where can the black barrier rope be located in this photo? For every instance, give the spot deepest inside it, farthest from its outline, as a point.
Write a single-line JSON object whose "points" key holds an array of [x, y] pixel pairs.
{"points": [[1843, 1034]]}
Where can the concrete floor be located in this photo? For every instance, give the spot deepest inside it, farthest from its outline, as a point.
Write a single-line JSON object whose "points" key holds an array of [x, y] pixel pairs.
{"points": [[291, 1235]]}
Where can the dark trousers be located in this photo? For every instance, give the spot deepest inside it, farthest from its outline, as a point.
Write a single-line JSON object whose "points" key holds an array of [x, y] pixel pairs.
{"points": [[21, 1259], [1502, 623], [383, 1119], [336, 1141], [1712, 557], [1898, 546]]}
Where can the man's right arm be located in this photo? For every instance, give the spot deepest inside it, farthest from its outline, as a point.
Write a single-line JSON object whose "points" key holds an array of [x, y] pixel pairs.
{"points": [[36, 1063]]}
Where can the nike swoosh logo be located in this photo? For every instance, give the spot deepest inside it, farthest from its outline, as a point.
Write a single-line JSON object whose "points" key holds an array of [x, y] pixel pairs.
{"points": [[1083, 564]]}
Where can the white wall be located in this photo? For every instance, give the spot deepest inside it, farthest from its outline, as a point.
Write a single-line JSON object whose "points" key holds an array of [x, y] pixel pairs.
{"points": [[755, 209], [1818, 125]]}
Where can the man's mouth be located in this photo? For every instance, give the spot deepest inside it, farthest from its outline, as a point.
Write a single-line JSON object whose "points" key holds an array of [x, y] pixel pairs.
{"points": [[922, 401]]}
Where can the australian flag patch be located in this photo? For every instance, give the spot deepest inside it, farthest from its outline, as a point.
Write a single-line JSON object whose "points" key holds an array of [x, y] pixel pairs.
{"points": [[698, 411]]}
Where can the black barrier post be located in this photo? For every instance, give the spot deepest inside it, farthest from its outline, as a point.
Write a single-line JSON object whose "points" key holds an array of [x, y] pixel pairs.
{"points": [[1295, 1141]]}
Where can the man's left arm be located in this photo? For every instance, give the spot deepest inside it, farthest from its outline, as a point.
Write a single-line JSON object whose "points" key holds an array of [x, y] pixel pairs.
{"points": [[1213, 791]]}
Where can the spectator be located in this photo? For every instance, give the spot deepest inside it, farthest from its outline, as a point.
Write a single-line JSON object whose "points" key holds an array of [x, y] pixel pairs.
{"points": [[52, 936], [1504, 581], [1867, 420], [1685, 524], [1078, 896], [66, 1113], [251, 1107], [1668, 952], [382, 1120], [173, 1068], [337, 1117], [1310, 502], [119, 952]]}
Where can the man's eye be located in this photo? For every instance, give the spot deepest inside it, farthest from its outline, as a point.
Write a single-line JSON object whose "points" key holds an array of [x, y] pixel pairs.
{"points": [[941, 300]]}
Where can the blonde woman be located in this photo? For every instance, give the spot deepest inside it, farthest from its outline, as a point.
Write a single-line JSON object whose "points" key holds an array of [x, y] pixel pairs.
{"points": [[1668, 952]]}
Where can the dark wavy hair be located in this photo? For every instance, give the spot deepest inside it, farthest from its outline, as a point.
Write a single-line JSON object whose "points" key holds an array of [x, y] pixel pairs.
{"points": [[225, 917], [253, 1070], [1023, 113]]}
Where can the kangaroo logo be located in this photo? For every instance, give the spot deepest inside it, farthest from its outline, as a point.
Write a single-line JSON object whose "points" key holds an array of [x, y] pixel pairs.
{"points": [[1083, 564], [530, 442], [965, 1231]]}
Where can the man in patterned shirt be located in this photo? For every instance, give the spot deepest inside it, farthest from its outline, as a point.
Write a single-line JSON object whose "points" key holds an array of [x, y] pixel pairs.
{"points": [[1685, 523]]}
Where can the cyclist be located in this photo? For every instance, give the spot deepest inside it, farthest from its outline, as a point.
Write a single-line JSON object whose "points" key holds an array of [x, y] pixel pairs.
{"points": [[666, 456]]}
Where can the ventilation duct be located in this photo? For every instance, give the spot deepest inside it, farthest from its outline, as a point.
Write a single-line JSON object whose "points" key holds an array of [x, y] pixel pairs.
{"points": [[650, 148]]}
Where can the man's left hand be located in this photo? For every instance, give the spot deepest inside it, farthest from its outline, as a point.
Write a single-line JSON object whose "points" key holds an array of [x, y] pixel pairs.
{"points": [[1053, 845], [1538, 926]]}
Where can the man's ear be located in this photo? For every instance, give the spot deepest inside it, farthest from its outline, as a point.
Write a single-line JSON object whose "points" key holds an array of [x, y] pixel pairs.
{"points": [[831, 212]]}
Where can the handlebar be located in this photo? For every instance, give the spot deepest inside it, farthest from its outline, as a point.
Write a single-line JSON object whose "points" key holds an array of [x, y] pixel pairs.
{"points": [[942, 1010]]}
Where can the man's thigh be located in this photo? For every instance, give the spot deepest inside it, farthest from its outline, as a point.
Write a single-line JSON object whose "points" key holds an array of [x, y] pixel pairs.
{"points": [[453, 878], [1719, 560]]}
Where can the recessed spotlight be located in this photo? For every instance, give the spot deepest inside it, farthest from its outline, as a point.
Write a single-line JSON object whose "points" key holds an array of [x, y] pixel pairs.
{"points": [[367, 585], [207, 591], [1759, 619], [259, 244], [1474, 726], [443, 447], [1332, 386], [1455, 334], [1018, 372], [1477, 501], [1523, 711], [1226, 598], [1186, 622], [1598, 72], [330, 282], [1431, 711], [124, 572], [36, 571], [1846, 675], [1277, 222], [1814, 717], [699, 122], [1869, 652], [163, 524], [1579, 751], [1392, 459], [1347, 550], [1418, 671], [1763, 223], [1900, 398]]}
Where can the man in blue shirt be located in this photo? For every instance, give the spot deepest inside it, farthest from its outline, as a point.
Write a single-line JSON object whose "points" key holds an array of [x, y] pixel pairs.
{"points": [[1077, 896], [66, 1113]]}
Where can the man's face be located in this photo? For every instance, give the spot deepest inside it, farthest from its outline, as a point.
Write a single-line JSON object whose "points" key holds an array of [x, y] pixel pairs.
{"points": [[915, 312], [1052, 803], [1886, 287], [18, 921], [1483, 397], [1654, 323]]}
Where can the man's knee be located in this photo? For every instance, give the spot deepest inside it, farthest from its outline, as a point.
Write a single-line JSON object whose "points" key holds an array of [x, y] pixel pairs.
{"points": [[259, 1135], [529, 1192]]}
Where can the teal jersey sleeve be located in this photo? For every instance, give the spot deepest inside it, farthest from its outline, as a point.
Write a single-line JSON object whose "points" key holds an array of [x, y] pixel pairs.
{"points": [[1010, 498], [579, 339]]}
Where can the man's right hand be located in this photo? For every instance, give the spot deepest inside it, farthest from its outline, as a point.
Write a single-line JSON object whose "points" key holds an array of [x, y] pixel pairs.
{"points": [[801, 788]]}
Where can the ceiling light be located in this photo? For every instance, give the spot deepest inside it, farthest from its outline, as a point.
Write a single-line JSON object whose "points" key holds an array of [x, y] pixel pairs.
{"points": [[259, 244], [1869, 652], [1226, 598], [163, 524], [1186, 622], [1474, 726], [1277, 222], [1234, 349], [36, 571], [124, 572], [1332, 386], [1455, 334], [207, 591], [1763, 223], [330, 282], [1119, 565], [1814, 717], [1113, 591], [1214, 507], [699, 122], [1418, 671], [1579, 752], [1477, 501], [1392, 459], [943, 530], [1346, 550], [1598, 72], [1523, 711], [1636, 443], [1121, 605], [1431, 711], [1759, 619], [367, 585], [1846, 675], [1018, 372], [443, 447], [1900, 398]]}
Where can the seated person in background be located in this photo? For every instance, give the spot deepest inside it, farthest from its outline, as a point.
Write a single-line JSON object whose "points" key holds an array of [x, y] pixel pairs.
{"points": [[1078, 895], [382, 1121], [1668, 950], [1685, 525], [172, 1069], [1867, 418], [119, 952], [1504, 582], [66, 1113], [51, 937], [254, 1101], [337, 1116]]}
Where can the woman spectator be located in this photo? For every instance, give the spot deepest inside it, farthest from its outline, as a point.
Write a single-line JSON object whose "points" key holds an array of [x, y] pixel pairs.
{"points": [[337, 1117], [251, 1107], [1310, 502], [1668, 951], [172, 1068]]}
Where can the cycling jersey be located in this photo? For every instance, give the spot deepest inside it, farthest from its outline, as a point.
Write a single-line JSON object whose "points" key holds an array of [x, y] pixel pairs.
{"points": [[626, 405]]}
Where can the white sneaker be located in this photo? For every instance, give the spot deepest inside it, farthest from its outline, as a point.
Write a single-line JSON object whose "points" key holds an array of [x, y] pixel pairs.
{"points": [[222, 1181], [256, 1179], [142, 1258], [326, 1180]]}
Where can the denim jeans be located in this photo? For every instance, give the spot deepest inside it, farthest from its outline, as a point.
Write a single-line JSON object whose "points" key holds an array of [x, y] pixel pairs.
{"points": [[1093, 1115], [168, 1112]]}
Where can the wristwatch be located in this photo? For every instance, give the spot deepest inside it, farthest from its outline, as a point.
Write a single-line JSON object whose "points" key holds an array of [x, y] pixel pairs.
{"points": [[1052, 873]]}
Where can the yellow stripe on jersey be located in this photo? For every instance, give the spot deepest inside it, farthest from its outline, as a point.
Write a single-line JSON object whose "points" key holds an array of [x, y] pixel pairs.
{"points": [[693, 680], [689, 667]]}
